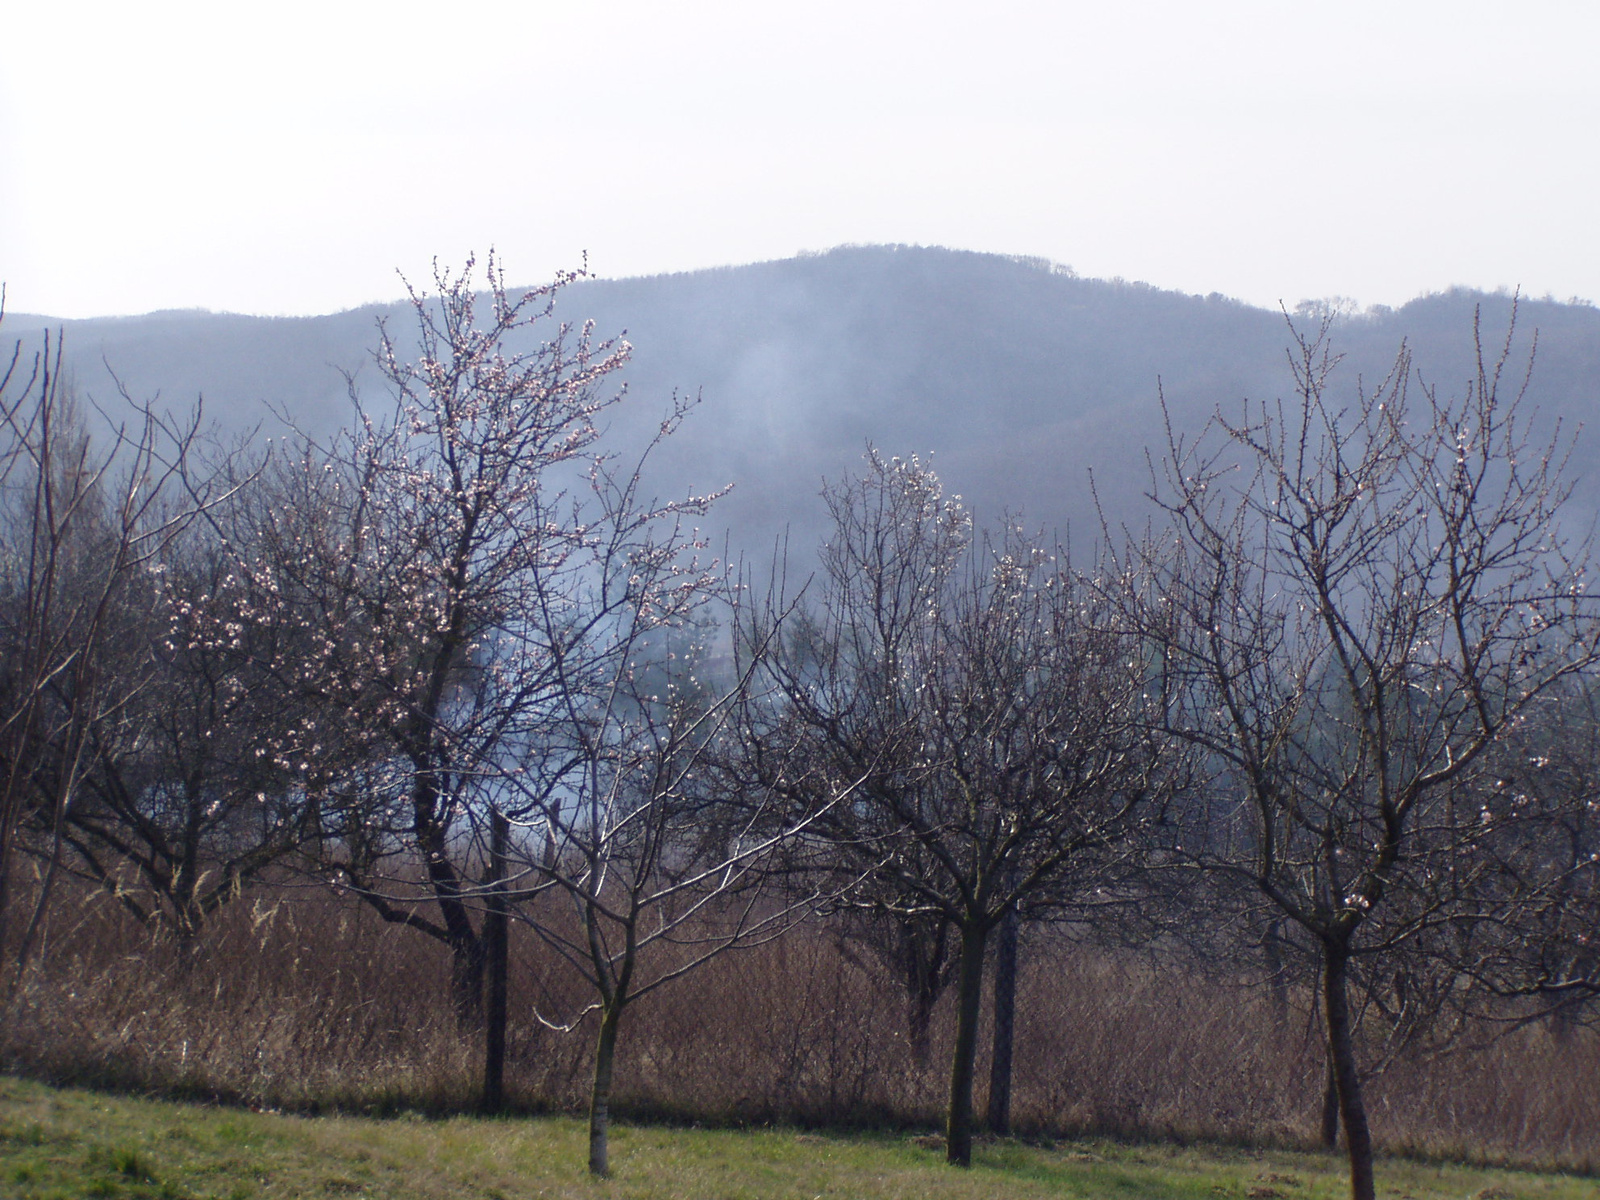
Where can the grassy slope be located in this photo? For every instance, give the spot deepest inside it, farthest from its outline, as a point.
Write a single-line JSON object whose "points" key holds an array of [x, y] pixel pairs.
{"points": [[56, 1143]]}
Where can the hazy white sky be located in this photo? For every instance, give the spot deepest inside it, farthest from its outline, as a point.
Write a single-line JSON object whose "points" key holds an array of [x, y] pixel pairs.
{"points": [[288, 157]]}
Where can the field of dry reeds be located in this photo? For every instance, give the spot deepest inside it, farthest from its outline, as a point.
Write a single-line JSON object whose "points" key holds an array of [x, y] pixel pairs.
{"points": [[307, 1001]]}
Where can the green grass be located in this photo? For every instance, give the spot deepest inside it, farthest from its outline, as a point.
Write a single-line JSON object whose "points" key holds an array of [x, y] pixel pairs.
{"points": [[72, 1144]]}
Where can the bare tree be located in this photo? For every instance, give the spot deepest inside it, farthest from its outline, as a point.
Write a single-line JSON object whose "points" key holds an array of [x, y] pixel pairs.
{"points": [[1347, 606], [989, 713], [658, 855], [188, 798], [84, 519]]}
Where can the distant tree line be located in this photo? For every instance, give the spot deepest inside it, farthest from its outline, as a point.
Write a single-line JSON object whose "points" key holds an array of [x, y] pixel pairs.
{"points": [[1332, 718]]}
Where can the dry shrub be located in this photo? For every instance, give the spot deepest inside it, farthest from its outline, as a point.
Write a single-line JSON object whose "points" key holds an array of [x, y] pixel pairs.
{"points": [[283, 1002], [305, 1000], [792, 1031], [1112, 1043], [1526, 1097]]}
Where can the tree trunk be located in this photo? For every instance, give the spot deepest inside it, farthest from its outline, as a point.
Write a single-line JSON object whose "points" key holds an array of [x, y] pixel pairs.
{"points": [[923, 964], [1341, 1050], [600, 1100], [1005, 1014], [468, 960], [919, 1020], [1277, 971], [8, 818], [185, 949], [41, 904], [468, 957], [1330, 1107], [958, 1126], [495, 943]]}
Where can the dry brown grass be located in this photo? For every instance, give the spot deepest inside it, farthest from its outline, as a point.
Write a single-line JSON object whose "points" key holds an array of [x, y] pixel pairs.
{"points": [[309, 1002]]}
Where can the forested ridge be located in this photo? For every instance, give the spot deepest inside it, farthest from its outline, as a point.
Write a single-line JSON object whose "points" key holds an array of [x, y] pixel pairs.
{"points": [[1236, 718], [1014, 376]]}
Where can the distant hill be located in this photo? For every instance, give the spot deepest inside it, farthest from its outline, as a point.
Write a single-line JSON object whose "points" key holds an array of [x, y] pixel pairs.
{"points": [[1015, 377]]}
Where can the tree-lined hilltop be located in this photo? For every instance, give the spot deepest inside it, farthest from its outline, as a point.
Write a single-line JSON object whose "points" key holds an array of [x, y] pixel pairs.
{"points": [[1013, 377]]}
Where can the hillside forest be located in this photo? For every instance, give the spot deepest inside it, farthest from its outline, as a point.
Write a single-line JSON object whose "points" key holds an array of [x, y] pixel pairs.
{"points": [[527, 734]]}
